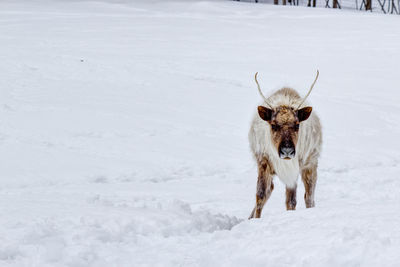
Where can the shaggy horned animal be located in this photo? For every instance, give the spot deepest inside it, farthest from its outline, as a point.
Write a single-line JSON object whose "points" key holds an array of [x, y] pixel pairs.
{"points": [[285, 139]]}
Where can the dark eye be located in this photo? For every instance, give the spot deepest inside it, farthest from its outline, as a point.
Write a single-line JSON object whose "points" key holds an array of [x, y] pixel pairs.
{"points": [[275, 127], [296, 127]]}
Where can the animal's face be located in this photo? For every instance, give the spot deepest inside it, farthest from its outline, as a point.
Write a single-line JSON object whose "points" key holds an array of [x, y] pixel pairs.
{"points": [[285, 124]]}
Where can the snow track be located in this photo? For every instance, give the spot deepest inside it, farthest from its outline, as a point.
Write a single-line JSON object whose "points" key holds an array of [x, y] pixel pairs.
{"points": [[123, 134]]}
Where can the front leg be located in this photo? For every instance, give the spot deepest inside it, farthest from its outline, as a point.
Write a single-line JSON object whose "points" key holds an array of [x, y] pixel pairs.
{"points": [[264, 186], [309, 177]]}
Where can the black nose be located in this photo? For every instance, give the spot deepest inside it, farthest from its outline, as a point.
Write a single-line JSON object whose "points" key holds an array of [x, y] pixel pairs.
{"points": [[287, 150]]}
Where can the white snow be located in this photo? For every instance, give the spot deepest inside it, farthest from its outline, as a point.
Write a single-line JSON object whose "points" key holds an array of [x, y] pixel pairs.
{"points": [[123, 134]]}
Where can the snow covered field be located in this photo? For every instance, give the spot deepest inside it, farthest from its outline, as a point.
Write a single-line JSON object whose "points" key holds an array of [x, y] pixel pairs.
{"points": [[123, 134]]}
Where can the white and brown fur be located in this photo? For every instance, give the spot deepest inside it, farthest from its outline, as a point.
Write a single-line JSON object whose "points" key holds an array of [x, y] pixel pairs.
{"points": [[264, 143]]}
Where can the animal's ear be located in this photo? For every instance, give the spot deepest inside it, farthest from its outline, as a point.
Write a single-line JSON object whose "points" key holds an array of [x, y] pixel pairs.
{"points": [[265, 113], [304, 113]]}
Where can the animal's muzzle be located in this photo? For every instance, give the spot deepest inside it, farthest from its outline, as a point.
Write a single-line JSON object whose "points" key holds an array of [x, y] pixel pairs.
{"points": [[287, 150]]}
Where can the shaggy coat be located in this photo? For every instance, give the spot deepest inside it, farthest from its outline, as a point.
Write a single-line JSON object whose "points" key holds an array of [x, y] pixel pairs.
{"points": [[269, 162]]}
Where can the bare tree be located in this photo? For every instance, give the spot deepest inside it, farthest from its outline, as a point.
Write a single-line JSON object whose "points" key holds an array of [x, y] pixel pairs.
{"points": [[368, 5], [314, 3]]}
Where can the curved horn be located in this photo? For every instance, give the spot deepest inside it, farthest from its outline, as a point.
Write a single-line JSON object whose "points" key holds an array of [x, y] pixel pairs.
{"points": [[259, 90], [309, 91]]}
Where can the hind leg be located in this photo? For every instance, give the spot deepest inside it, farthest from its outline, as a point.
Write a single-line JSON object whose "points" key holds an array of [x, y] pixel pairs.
{"points": [[291, 198], [264, 187], [309, 177]]}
